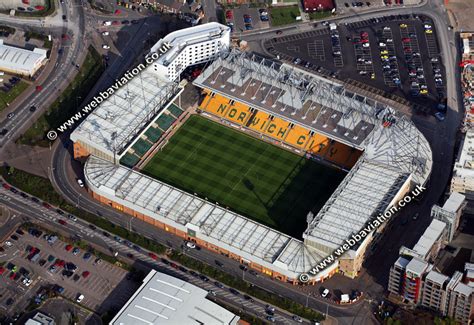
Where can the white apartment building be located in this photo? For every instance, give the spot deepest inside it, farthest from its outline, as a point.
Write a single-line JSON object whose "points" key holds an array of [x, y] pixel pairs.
{"points": [[450, 213], [460, 299], [434, 291], [191, 46]]}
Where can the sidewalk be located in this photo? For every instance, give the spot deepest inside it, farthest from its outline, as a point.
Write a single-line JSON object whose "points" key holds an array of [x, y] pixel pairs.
{"points": [[34, 160]]}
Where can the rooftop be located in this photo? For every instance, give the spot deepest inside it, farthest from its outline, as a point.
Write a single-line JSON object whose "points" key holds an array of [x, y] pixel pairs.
{"points": [[213, 223], [437, 277], [18, 59], [188, 36], [454, 202], [429, 238], [166, 299], [366, 191], [116, 122], [402, 262], [417, 266]]}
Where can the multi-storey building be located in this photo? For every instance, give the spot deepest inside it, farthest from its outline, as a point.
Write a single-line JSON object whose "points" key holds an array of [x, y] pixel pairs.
{"points": [[190, 46], [434, 291], [460, 299], [450, 213]]}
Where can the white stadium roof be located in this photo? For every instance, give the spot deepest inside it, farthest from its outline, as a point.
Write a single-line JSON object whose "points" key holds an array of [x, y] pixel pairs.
{"points": [[163, 299], [18, 60], [116, 122], [393, 156], [212, 223]]}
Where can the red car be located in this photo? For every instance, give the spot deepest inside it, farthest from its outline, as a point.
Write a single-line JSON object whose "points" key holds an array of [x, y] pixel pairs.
{"points": [[2, 270], [60, 263], [364, 40], [12, 275], [62, 222], [153, 256], [68, 247], [6, 186], [115, 22], [85, 274], [39, 88], [364, 34], [46, 205], [406, 40], [228, 14]]}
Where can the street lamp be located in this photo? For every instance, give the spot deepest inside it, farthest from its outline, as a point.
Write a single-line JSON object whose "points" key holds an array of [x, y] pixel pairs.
{"points": [[307, 299]]}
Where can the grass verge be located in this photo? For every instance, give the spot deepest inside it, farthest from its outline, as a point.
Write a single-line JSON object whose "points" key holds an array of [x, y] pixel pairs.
{"points": [[7, 98], [246, 287], [48, 10], [67, 104], [42, 188], [319, 15], [284, 15]]}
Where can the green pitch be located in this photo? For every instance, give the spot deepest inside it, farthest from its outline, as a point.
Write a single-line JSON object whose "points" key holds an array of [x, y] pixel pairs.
{"points": [[256, 179]]}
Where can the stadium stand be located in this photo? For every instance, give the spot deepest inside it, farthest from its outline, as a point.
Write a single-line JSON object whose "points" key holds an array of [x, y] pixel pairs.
{"points": [[141, 147], [298, 136], [277, 128], [338, 153], [175, 110], [153, 133], [215, 104], [238, 113], [318, 144], [355, 155], [258, 121], [165, 121], [129, 159]]}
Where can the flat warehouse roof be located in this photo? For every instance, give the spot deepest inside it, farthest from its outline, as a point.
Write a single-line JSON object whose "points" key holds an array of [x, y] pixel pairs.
{"points": [[18, 59], [163, 299]]}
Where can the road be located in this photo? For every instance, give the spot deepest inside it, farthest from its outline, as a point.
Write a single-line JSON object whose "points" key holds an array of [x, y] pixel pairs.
{"points": [[25, 209], [65, 170], [61, 74]]}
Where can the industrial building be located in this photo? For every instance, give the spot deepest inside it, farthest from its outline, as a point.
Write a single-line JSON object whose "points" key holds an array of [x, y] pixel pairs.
{"points": [[382, 150], [163, 299], [20, 61]]}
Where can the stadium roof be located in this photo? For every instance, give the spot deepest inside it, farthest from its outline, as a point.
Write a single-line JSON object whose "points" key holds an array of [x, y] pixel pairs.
{"points": [[393, 154], [366, 191], [163, 299], [182, 38], [112, 127], [213, 223], [18, 60], [285, 91]]}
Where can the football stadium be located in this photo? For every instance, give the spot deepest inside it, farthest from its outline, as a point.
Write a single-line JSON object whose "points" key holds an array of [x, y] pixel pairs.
{"points": [[274, 167]]}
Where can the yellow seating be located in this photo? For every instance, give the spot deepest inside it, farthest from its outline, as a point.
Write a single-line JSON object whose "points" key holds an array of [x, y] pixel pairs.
{"points": [[238, 113], [338, 153], [298, 136], [318, 144], [259, 121], [277, 128], [216, 105]]}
